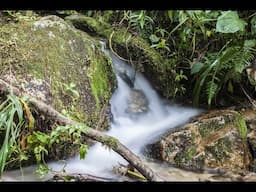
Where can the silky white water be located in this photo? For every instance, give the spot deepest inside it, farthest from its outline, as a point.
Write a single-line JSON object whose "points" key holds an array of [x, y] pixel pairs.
{"points": [[133, 130]]}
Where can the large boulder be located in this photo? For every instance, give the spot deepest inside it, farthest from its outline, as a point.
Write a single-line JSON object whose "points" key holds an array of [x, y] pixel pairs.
{"points": [[50, 55], [215, 140], [58, 64]]}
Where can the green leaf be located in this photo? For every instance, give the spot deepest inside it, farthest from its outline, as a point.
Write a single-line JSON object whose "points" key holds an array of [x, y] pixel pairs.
{"points": [[42, 170], [170, 15], [228, 54], [75, 93], [153, 38], [250, 43], [196, 68], [72, 85], [83, 150], [229, 22]]}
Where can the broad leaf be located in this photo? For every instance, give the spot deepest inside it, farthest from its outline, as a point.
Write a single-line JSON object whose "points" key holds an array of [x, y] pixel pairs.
{"points": [[196, 68], [229, 22], [153, 38], [250, 43]]}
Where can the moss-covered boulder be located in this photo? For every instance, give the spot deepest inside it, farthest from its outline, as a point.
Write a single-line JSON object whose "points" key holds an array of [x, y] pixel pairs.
{"points": [[48, 54], [215, 140], [158, 70], [250, 117], [60, 65]]}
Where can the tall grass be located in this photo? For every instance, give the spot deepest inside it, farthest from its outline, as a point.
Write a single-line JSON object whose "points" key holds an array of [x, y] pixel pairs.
{"points": [[11, 121]]}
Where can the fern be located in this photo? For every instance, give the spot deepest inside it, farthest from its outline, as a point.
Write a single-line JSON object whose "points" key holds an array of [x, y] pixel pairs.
{"points": [[211, 90], [220, 69]]}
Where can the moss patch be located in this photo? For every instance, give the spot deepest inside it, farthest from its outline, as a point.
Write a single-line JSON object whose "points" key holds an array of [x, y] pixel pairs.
{"points": [[99, 79], [241, 126], [206, 128], [220, 150]]}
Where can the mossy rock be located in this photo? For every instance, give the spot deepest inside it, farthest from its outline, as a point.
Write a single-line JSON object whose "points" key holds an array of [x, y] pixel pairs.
{"points": [[251, 136], [159, 71], [215, 140], [58, 64]]}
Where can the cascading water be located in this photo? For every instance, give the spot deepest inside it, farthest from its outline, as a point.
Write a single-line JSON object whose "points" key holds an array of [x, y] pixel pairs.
{"points": [[133, 129]]}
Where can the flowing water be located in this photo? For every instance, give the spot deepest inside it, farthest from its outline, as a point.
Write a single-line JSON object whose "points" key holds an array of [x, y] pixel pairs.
{"points": [[133, 130]]}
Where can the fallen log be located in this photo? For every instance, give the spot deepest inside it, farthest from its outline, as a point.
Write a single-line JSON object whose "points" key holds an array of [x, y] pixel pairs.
{"points": [[110, 141]]}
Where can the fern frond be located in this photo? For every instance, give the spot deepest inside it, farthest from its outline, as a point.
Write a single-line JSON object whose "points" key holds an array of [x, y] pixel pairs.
{"points": [[243, 59], [228, 54], [211, 91]]}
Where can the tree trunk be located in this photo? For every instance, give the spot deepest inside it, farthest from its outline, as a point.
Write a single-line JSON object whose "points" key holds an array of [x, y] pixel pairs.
{"points": [[110, 141]]}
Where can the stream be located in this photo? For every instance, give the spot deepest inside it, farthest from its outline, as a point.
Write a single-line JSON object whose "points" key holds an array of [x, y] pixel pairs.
{"points": [[135, 123]]}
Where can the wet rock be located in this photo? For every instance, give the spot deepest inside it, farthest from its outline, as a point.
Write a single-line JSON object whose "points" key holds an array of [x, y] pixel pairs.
{"points": [[214, 140], [137, 102], [126, 78], [250, 115]]}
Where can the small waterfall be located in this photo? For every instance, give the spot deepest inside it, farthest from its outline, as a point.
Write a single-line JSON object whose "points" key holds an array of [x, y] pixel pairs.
{"points": [[134, 130]]}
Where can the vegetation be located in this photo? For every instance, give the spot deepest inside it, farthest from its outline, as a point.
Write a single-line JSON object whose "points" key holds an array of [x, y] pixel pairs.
{"points": [[241, 126], [12, 119], [208, 50], [21, 141]]}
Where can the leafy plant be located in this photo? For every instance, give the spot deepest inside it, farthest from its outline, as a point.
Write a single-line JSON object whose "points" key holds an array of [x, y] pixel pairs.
{"points": [[21, 15], [42, 143], [221, 69], [11, 122], [179, 77], [71, 87], [139, 19]]}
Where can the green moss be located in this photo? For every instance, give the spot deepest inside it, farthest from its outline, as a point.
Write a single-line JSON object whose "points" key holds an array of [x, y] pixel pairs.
{"points": [[190, 152], [90, 24], [206, 128], [184, 158], [241, 126], [99, 79], [111, 142], [220, 150], [237, 120], [193, 137]]}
